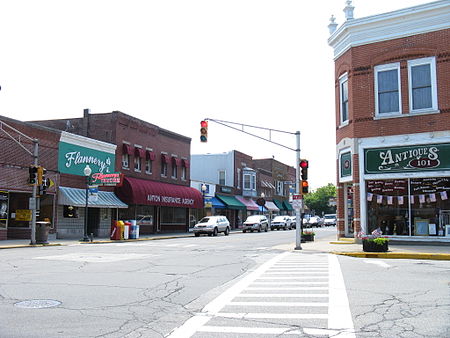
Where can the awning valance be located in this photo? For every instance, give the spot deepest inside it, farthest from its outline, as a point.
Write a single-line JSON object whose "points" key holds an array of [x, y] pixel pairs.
{"points": [[279, 204], [287, 206], [186, 163], [271, 206], [137, 191], [77, 198], [126, 149], [231, 202], [165, 158], [249, 203], [215, 203], [139, 152], [150, 155]]}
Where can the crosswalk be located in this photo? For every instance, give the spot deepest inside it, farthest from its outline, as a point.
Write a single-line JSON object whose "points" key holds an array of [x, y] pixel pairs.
{"points": [[292, 294]]}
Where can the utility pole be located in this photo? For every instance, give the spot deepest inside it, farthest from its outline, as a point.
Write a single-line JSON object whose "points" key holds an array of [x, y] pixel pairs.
{"points": [[298, 211], [34, 154]]}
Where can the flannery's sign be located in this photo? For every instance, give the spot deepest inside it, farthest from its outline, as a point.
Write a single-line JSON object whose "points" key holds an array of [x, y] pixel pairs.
{"points": [[407, 159], [107, 179], [170, 200], [73, 158]]}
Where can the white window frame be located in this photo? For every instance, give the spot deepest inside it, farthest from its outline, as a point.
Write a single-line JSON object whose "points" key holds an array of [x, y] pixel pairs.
{"points": [[163, 169], [280, 188], [382, 68], [253, 181], [174, 170], [238, 178], [183, 173], [125, 161], [247, 185], [148, 166], [343, 79], [434, 98], [137, 163]]}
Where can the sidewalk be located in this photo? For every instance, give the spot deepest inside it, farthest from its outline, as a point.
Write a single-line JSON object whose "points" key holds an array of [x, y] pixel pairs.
{"points": [[405, 251]]}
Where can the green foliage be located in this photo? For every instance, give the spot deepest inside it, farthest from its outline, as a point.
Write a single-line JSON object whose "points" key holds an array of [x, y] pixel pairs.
{"points": [[311, 233], [319, 199], [380, 240]]}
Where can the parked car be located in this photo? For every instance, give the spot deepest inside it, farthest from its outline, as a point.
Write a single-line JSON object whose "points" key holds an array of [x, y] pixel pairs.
{"points": [[255, 223], [212, 225], [293, 222], [280, 222], [329, 220], [314, 221]]}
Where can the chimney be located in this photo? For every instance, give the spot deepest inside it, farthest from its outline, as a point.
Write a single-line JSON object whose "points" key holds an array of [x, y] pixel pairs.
{"points": [[348, 10], [332, 25], [86, 122]]}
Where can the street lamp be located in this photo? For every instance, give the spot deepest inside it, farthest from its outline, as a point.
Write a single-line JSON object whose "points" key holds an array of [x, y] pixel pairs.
{"points": [[262, 206], [87, 172]]}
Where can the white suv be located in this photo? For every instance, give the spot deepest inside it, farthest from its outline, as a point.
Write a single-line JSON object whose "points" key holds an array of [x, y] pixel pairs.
{"points": [[280, 222], [255, 223], [212, 225]]}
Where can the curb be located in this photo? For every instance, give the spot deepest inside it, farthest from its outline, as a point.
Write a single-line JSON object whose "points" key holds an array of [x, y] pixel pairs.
{"points": [[28, 246], [396, 255]]}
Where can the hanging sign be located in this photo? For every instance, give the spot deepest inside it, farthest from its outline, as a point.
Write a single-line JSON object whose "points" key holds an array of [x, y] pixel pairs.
{"points": [[112, 179], [407, 159]]}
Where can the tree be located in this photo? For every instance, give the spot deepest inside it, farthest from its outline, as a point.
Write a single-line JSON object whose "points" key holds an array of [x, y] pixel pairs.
{"points": [[318, 201]]}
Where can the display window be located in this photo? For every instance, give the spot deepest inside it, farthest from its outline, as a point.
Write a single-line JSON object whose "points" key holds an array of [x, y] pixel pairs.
{"points": [[409, 207]]}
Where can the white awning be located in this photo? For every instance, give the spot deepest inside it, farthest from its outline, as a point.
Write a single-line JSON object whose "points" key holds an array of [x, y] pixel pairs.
{"points": [[271, 206], [77, 198]]}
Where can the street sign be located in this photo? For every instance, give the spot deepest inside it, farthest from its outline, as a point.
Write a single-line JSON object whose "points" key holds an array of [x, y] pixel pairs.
{"points": [[297, 197]]}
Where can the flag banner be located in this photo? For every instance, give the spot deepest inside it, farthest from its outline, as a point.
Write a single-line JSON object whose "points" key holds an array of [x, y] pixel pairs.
{"points": [[422, 198], [443, 195], [369, 196], [400, 200], [411, 198], [390, 199], [379, 199], [433, 197]]}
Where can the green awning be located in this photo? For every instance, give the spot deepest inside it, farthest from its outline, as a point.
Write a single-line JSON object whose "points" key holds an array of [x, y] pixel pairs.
{"points": [[279, 204], [231, 202], [287, 206]]}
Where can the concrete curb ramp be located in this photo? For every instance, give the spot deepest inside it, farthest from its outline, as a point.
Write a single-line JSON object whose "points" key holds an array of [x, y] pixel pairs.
{"points": [[396, 255]]}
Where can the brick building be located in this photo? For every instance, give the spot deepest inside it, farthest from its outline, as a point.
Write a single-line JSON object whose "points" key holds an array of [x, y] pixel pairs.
{"points": [[393, 122], [155, 163]]}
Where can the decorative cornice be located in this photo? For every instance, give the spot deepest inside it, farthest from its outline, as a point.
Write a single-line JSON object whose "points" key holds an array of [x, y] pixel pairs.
{"points": [[410, 21]]}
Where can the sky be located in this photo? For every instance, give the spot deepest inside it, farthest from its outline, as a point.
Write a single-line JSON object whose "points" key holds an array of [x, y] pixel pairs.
{"points": [[172, 63]]}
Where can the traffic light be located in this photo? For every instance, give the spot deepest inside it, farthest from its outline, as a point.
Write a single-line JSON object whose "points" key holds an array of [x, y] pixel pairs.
{"points": [[33, 178], [204, 131], [40, 174], [304, 176], [305, 187]]}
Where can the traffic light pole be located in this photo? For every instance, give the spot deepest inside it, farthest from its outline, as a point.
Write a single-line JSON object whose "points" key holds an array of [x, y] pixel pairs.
{"points": [[298, 211]]}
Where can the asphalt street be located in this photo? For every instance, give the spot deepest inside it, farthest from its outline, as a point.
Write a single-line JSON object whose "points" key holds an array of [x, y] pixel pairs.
{"points": [[243, 285]]}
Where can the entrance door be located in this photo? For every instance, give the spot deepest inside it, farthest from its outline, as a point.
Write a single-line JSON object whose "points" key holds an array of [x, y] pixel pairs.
{"points": [[158, 219], [348, 210], [93, 221]]}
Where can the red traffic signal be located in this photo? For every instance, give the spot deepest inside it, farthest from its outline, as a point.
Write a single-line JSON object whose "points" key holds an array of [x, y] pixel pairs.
{"points": [[304, 169], [203, 131]]}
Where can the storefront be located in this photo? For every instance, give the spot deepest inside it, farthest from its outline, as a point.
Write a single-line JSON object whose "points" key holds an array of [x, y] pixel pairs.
{"points": [[235, 211], [405, 191], [252, 207], [103, 207], [157, 206]]}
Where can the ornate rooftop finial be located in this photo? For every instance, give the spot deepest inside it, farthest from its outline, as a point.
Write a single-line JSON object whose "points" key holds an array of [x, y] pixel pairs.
{"points": [[348, 10], [332, 25]]}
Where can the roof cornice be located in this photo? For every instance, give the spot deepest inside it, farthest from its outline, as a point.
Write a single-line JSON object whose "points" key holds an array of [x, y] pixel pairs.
{"points": [[410, 21]]}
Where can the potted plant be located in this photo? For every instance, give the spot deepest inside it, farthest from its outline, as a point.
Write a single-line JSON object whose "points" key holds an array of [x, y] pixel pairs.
{"points": [[374, 242], [308, 236]]}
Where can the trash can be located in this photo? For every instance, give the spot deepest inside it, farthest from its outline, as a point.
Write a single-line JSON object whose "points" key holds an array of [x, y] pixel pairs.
{"points": [[42, 229], [116, 231], [126, 230], [134, 230]]}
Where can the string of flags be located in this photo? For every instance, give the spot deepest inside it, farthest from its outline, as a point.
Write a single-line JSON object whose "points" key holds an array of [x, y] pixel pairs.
{"points": [[421, 198]]}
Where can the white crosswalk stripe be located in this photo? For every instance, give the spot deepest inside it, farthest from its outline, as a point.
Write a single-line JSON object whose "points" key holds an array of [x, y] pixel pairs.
{"points": [[299, 295]]}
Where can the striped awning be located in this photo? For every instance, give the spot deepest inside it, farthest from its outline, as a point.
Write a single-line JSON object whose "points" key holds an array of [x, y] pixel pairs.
{"points": [[77, 198], [271, 206]]}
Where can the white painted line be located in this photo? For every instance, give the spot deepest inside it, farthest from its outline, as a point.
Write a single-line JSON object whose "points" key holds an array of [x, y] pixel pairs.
{"points": [[249, 330], [262, 248], [377, 262], [283, 295], [289, 288], [321, 332], [298, 277], [272, 315], [290, 283], [307, 272], [278, 304], [340, 317], [189, 327]]}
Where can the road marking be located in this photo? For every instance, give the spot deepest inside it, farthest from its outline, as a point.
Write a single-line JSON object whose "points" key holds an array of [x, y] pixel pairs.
{"points": [[289, 288], [299, 277], [340, 317], [249, 330], [277, 304], [96, 257], [303, 272], [272, 315], [283, 295], [377, 262], [290, 283]]}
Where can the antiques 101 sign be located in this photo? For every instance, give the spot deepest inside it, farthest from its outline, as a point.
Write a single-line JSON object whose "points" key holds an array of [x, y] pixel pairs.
{"points": [[407, 159]]}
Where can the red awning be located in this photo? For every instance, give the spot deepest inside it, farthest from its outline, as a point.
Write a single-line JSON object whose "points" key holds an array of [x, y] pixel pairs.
{"points": [[150, 155], [248, 202], [126, 149], [139, 152], [137, 191], [185, 163], [165, 158], [176, 160]]}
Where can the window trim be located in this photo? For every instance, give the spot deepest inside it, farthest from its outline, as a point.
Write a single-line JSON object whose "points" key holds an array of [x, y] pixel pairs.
{"points": [[224, 177], [125, 164], [343, 79], [434, 97], [244, 186], [386, 67]]}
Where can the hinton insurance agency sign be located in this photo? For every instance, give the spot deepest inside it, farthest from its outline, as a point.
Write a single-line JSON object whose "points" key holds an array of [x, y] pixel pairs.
{"points": [[407, 159], [75, 152]]}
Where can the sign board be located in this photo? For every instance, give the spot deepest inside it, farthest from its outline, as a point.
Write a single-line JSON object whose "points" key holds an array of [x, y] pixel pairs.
{"points": [[111, 179], [4, 196], [346, 164], [407, 159], [261, 202], [23, 215], [298, 204], [297, 197], [32, 203]]}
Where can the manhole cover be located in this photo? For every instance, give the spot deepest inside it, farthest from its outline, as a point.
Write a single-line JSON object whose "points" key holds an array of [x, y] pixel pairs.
{"points": [[37, 303]]}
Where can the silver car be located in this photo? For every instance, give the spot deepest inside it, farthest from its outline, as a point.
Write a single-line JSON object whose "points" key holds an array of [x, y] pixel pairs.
{"points": [[280, 222], [212, 225], [255, 223]]}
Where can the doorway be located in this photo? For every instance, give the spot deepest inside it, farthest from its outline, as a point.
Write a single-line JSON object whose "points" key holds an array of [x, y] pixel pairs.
{"points": [[348, 210], [93, 221]]}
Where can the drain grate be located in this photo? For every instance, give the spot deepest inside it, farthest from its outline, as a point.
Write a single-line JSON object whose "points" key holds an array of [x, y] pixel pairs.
{"points": [[37, 303]]}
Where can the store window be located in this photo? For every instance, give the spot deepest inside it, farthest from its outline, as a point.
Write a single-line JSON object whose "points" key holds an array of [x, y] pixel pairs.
{"points": [[173, 215], [409, 207]]}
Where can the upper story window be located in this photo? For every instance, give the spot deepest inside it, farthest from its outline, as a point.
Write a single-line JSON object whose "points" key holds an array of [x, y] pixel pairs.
{"points": [[343, 89], [137, 163], [174, 169], [183, 173], [422, 85], [238, 178], [280, 188], [247, 181], [148, 166], [125, 161], [222, 177], [387, 89]]}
